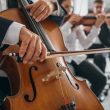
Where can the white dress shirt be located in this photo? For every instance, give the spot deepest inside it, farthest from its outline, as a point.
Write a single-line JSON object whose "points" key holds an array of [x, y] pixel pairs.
{"points": [[76, 40]]}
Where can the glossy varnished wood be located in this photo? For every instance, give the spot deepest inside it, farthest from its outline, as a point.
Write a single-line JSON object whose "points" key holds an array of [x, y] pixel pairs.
{"points": [[49, 96]]}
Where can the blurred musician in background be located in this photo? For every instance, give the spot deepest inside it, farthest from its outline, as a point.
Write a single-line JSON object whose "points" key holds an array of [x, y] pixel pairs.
{"points": [[74, 40], [103, 39]]}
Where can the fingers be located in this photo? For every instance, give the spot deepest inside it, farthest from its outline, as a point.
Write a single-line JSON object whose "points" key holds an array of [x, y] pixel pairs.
{"points": [[100, 20], [24, 47], [74, 19], [35, 11], [38, 51], [43, 15], [40, 10], [44, 53], [35, 7], [31, 48], [29, 6], [101, 16]]}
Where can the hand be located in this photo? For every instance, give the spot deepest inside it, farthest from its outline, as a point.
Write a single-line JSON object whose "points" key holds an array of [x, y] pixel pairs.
{"points": [[31, 47], [100, 20], [74, 19], [41, 9]]}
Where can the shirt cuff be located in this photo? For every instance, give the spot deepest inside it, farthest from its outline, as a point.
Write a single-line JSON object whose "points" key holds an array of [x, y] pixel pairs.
{"points": [[67, 25], [95, 29], [12, 34], [58, 7], [108, 27], [58, 11]]}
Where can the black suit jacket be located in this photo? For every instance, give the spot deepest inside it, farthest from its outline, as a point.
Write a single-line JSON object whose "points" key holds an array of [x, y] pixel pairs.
{"points": [[104, 35], [4, 23]]}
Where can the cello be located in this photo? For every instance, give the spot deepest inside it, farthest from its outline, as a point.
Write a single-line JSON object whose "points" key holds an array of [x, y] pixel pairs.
{"points": [[48, 85]]}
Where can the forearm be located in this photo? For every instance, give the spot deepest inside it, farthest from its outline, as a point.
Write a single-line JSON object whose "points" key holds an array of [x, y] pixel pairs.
{"points": [[66, 29], [88, 40]]}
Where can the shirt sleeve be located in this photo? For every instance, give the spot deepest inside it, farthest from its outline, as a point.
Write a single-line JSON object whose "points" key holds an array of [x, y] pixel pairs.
{"points": [[66, 29], [12, 34], [108, 27], [87, 41]]}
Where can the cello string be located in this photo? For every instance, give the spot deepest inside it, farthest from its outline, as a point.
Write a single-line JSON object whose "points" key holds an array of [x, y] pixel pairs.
{"points": [[65, 97], [33, 24], [41, 33], [67, 91], [60, 84], [37, 26], [45, 37], [72, 87], [72, 99], [63, 91]]}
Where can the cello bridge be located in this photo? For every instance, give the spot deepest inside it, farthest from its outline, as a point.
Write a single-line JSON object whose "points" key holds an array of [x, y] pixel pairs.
{"points": [[55, 74]]}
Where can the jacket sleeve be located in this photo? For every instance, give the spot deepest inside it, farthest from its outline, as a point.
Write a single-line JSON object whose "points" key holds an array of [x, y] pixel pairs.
{"points": [[104, 35], [4, 25]]}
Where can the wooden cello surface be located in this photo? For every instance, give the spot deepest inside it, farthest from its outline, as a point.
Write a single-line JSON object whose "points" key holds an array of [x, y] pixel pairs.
{"points": [[48, 85]]}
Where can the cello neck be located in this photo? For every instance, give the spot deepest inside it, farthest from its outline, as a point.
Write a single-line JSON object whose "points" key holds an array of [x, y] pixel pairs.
{"points": [[36, 26]]}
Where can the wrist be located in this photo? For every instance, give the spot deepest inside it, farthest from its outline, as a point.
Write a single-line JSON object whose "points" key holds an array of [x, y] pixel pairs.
{"points": [[22, 32], [98, 25], [71, 22]]}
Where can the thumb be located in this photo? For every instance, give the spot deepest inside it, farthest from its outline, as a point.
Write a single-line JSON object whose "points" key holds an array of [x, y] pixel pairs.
{"points": [[29, 6]]}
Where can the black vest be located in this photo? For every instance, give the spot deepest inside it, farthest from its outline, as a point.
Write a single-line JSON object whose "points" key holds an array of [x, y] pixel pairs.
{"points": [[12, 3], [104, 35]]}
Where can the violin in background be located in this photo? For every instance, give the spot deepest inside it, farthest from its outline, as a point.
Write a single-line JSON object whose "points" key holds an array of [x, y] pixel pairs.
{"points": [[90, 20]]}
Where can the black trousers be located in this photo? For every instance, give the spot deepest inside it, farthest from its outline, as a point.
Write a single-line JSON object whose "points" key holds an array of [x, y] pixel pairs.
{"points": [[99, 59], [4, 88], [93, 74]]}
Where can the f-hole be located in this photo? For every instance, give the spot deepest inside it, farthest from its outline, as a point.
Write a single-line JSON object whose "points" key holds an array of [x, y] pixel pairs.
{"points": [[27, 97]]}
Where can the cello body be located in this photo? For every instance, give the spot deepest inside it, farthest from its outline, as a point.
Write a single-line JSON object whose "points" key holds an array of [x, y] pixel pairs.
{"points": [[48, 85]]}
